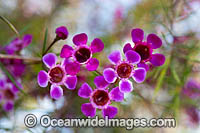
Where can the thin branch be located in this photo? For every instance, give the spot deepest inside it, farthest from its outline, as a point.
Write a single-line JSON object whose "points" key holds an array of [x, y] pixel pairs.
{"points": [[54, 41], [5, 56]]}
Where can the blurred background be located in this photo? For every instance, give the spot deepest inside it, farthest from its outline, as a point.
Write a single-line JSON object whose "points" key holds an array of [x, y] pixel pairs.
{"points": [[169, 91]]}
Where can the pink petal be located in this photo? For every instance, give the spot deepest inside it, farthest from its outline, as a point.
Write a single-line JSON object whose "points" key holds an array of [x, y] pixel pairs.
{"points": [[42, 78], [115, 57], [80, 39], [66, 51], [92, 64], [110, 112], [127, 47], [137, 35], [70, 82], [85, 91], [157, 59], [109, 75], [88, 109], [49, 60], [154, 40], [139, 75], [97, 45], [56, 92]]}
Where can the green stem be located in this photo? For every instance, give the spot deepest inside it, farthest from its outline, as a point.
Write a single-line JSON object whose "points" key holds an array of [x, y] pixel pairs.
{"points": [[54, 41], [10, 25], [9, 75]]}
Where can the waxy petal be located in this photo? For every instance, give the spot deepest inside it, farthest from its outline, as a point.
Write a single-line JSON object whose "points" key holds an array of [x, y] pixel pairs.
{"points": [[72, 68], [85, 91], [70, 82], [127, 47], [115, 57], [80, 39], [137, 35], [88, 109], [42, 78], [27, 39], [100, 82], [132, 57], [97, 45], [116, 95], [143, 65], [157, 59], [110, 75], [110, 112], [66, 51], [92, 64], [139, 75], [154, 40], [56, 92], [125, 86], [49, 60]]}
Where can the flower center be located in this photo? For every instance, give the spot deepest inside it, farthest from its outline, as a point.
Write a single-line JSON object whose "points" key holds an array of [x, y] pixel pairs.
{"points": [[82, 55], [124, 70], [19, 46], [56, 74], [8, 94], [143, 51], [100, 97]]}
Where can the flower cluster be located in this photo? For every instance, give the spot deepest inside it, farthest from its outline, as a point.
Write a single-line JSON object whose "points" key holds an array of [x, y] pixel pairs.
{"points": [[8, 91], [8, 94], [122, 70], [16, 66]]}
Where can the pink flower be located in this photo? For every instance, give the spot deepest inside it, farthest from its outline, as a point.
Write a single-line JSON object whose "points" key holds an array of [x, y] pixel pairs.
{"points": [[100, 98], [124, 70], [56, 75], [146, 48], [81, 54]]}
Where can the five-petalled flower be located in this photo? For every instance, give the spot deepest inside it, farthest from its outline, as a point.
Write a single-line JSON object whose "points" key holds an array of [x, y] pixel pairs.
{"points": [[145, 48], [124, 69], [56, 75], [100, 98], [81, 54]]}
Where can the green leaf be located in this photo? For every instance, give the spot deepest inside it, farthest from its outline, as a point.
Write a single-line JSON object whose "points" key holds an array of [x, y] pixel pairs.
{"points": [[9, 75], [45, 41], [175, 75], [161, 78]]}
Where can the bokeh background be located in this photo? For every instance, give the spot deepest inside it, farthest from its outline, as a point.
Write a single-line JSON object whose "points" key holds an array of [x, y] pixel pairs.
{"points": [[161, 95]]}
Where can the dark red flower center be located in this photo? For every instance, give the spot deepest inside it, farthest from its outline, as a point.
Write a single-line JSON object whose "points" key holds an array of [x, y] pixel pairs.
{"points": [[8, 94], [124, 70], [82, 55], [143, 51], [56, 74], [100, 97], [19, 46]]}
